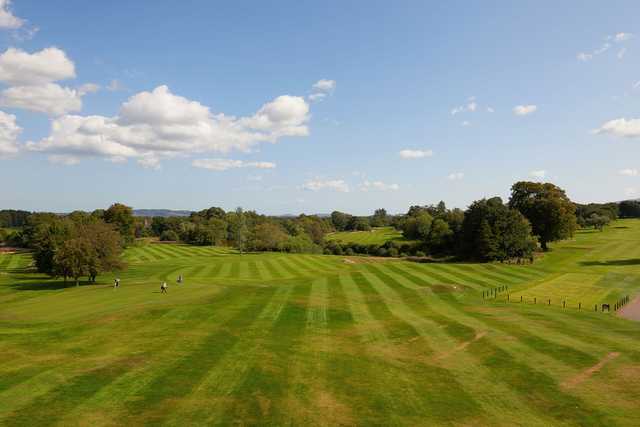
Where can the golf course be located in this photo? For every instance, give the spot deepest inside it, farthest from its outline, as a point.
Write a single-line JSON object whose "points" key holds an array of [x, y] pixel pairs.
{"points": [[279, 339]]}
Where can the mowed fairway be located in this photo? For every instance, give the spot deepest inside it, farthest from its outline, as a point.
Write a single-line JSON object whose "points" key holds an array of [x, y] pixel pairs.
{"points": [[377, 236], [276, 339]]}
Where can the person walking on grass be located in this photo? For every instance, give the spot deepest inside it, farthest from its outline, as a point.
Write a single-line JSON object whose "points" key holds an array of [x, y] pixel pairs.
{"points": [[116, 283], [180, 279], [163, 288]]}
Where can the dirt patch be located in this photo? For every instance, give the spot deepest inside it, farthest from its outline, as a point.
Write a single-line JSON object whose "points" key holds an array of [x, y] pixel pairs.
{"points": [[461, 346], [631, 311], [585, 375]]}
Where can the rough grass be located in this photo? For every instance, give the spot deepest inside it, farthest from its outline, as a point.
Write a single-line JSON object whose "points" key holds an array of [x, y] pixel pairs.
{"points": [[274, 339]]}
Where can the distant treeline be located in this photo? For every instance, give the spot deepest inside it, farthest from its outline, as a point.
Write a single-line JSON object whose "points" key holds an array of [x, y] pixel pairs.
{"points": [[488, 230]]}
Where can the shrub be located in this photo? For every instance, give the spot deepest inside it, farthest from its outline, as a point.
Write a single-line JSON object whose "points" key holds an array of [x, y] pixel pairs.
{"points": [[382, 252], [420, 254], [169, 236], [349, 252], [393, 252]]}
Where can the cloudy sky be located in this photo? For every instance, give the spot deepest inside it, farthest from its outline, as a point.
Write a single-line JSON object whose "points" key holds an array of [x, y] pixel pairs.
{"points": [[293, 107]]}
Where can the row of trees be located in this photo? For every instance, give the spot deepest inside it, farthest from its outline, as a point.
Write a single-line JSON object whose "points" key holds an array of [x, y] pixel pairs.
{"points": [[73, 246]]}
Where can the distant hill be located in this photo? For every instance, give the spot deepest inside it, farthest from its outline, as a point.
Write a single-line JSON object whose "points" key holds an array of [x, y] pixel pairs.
{"points": [[160, 212]]}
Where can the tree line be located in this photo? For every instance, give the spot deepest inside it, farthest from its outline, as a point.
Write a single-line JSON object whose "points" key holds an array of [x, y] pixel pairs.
{"points": [[83, 244]]}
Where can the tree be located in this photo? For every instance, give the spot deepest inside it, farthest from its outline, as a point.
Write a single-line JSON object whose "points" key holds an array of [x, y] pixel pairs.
{"points": [[629, 209], [493, 231], [548, 209], [74, 259], [340, 220], [238, 229], [169, 236], [122, 217], [269, 236], [597, 221], [379, 218], [438, 235], [418, 226]]}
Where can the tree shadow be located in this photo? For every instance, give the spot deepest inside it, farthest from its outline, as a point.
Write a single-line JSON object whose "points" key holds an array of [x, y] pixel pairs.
{"points": [[50, 286], [613, 263]]}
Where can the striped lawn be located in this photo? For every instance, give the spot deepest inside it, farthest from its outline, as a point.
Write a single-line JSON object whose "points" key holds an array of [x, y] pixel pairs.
{"points": [[277, 339]]}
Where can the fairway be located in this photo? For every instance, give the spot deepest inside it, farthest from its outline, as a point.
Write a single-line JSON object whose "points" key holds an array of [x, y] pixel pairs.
{"points": [[278, 339], [376, 236]]}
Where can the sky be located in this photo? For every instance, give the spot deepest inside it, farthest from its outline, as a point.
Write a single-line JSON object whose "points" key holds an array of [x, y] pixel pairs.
{"points": [[300, 106]]}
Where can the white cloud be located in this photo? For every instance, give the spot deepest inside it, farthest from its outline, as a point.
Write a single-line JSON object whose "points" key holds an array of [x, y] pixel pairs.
{"points": [[470, 107], [317, 97], [334, 185], [88, 88], [378, 185], [490, 110], [415, 154], [617, 38], [158, 124], [225, 164], [64, 159], [622, 52], [630, 191], [582, 56], [465, 123], [629, 172], [9, 132], [324, 85], [523, 110], [18, 67], [622, 37], [540, 174], [115, 86], [7, 19], [636, 85], [48, 98], [621, 128], [455, 176]]}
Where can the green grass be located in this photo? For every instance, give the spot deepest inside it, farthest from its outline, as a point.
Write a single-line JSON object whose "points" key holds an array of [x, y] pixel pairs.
{"points": [[377, 236], [276, 339]]}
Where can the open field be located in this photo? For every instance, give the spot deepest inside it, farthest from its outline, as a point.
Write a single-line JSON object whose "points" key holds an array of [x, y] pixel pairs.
{"points": [[277, 339], [377, 236]]}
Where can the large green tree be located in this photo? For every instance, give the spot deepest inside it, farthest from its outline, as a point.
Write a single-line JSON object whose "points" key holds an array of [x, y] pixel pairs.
{"points": [[551, 214], [122, 217]]}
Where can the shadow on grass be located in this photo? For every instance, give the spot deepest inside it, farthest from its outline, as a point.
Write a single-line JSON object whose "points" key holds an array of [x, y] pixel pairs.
{"points": [[49, 286], [613, 263]]}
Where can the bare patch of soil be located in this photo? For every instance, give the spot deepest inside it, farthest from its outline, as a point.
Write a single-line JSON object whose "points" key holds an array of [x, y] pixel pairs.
{"points": [[461, 346]]}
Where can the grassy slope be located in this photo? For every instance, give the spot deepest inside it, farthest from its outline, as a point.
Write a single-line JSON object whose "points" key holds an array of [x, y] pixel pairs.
{"points": [[310, 340], [377, 236]]}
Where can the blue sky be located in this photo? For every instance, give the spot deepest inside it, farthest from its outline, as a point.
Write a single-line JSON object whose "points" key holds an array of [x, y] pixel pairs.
{"points": [[289, 107]]}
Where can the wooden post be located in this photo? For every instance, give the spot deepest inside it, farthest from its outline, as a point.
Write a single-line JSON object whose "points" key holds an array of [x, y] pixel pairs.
{"points": [[596, 307], [534, 300], [563, 304], [520, 298], [579, 305]]}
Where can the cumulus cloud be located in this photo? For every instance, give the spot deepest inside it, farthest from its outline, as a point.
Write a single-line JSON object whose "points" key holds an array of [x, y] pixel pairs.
{"points": [[629, 172], [7, 19], [415, 154], [333, 185], [18, 67], [64, 159], [49, 98], [324, 85], [540, 174], [378, 185], [621, 128], [523, 110], [158, 124], [9, 132], [225, 164], [455, 176]]}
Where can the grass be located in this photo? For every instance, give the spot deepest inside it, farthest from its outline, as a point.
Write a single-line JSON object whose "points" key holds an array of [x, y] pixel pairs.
{"points": [[276, 339], [377, 236]]}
